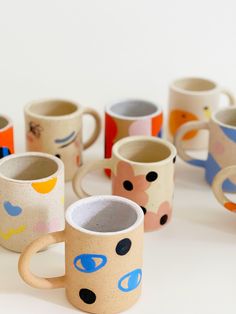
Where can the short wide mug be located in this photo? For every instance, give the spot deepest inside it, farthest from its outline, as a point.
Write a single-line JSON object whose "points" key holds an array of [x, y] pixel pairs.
{"points": [[32, 198], [6, 136], [217, 187], [131, 117], [103, 255], [193, 99], [222, 145], [142, 169], [55, 127]]}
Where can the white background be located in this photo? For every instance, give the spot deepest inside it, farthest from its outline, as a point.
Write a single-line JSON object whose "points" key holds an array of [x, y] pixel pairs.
{"points": [[95, 52]]}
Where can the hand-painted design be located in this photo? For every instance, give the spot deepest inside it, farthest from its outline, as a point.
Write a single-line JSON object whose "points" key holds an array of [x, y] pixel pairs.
{"points": [[11, 232], [123, 246], [157, 122], [130, 281], [230, 206], [110, 134], [144, 210], [197, 162], [45, 186], [151, 176], [212, 168], [58, 156], [140, 127], [78, 160], [207, 112], [230, 133], [179, 117], [4, 151], [154, 221], [47, 227], [35, 129], [218, 148], [128, 185], [174, 160], [62, 200], [68, 140], [12, 210], [89, 263], [88, 296]]}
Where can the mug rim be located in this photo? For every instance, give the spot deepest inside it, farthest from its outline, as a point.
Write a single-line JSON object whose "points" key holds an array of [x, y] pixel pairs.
{"points": [[170, 146], [173, 86], [108, 110], [9, 122], [217, 121], [59, 163], [135, 207], [29, 112]]}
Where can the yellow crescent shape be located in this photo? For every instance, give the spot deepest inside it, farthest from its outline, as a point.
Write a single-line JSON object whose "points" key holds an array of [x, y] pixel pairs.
{"points": [[45, 186]]}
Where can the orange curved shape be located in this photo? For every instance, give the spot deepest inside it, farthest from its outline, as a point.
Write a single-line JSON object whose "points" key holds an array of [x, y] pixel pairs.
{"points": [[157, 124], [45, 186], [178, 118], [230, 206]]}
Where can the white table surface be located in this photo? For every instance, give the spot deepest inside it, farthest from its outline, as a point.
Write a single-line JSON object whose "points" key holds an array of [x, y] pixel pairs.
{"points": [[95, 52]]}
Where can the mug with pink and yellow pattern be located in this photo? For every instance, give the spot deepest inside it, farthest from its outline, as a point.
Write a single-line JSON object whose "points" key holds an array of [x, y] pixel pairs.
{"points": [[142, 169]]}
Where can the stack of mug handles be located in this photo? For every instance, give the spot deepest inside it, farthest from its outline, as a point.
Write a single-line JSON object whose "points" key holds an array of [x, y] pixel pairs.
{"points": [[103, 234]]}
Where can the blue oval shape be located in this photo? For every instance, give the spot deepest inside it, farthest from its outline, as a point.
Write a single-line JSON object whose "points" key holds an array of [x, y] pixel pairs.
{"points": [[133, 280], [88, 263]]}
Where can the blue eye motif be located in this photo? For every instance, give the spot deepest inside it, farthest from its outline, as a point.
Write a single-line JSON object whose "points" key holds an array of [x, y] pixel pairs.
{"points": [[130, 281], [89, 263]]}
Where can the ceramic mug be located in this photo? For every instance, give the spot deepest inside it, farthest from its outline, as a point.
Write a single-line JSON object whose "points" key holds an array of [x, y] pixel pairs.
{"points": [[32, 198], [131, 117], [222, 145], [142, 169], [6, 136], [221, 176], [103, 255], [193, 99], [55, 127]]}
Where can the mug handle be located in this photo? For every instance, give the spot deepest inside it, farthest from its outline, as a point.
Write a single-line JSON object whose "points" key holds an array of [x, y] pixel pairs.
{"points": [[97, 130], [189, 126], [217, 187], [229, 95], [84, 170], [24, 262]]}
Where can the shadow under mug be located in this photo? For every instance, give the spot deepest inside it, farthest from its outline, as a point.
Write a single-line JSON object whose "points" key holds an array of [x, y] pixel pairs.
{"points": [[54, 126], [142, 169], [6, 136], [217, 187], [222, 145], [103, 255]]}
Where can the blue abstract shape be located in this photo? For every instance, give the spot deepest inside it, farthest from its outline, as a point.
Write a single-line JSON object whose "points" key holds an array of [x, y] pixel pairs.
{"points": [[160, 133], [88, 262], [65, 139], [11, 209], [4, 151], [130, 281], [230, 133], [197, 162], [212, 168]]}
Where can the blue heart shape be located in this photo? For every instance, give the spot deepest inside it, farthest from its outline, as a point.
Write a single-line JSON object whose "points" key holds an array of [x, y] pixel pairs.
{"points": [[11, 209]]}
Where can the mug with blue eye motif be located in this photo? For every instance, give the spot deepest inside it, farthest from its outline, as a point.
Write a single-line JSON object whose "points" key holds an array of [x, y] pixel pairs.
{"points": [[103, 255]]}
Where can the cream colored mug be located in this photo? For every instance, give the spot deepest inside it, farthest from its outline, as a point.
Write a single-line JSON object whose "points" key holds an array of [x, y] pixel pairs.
{"points": [[55, 127]]}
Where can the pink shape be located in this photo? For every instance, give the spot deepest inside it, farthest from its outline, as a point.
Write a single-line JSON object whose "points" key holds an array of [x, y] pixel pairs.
{"points": [[43, 227], [152, 221], [218, 148], [141, 127]]}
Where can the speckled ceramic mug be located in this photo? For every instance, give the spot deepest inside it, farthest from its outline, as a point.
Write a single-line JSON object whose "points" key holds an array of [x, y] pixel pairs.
{"points": [[103, 255], [6, 136], [31, 198], [222, 145], [55, 127], [193, 99], [142, 169]]}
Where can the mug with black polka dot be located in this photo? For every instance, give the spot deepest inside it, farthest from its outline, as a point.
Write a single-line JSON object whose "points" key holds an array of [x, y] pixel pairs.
{"points": [[103, 255], [142, 169]]}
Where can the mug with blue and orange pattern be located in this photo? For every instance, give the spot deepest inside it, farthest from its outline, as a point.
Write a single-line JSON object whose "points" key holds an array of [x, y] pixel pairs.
{"points": [[222, 145], [103, 255], [6, 136]]}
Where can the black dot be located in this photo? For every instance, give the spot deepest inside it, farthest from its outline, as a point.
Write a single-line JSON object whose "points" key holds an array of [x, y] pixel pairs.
{"points": [[128, 185], [206, 108], [58, 156], [123, 246], [184, 115], [174, 159], [144, 209], [87, 296], [151, 176], [163, 219]]}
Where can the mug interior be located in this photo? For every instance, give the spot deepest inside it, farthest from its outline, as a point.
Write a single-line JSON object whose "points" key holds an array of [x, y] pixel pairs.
{"points": [[3, 122], [28, 167], [133, 108], [194, 84], [227, 117], [144, 151], [103, 214], [53, 108]]}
